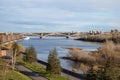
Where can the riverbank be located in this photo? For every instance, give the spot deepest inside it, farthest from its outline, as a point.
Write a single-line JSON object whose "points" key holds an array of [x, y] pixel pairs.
{"points": [[5, 43], [102, 38], [71, 75], [79, 55], [92, 40], [29, 72], [39, 69], [73, 49], [94, 58], [8, 37]]}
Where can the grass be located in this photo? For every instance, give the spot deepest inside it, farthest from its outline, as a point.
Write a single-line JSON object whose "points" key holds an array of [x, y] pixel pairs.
{"points": [[58, 78], [42, 71], [6, 72], [13, 75]]}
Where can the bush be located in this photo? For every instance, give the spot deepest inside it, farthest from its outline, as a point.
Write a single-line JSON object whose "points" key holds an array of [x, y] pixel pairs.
{"points": [[108, 68]]}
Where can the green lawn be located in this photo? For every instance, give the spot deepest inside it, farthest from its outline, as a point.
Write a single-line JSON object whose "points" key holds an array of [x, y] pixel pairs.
{"points": [[13, 75], [6, 72], [40, 69]]}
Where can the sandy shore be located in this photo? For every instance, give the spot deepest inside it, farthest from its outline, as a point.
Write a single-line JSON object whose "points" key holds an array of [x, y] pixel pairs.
{"points": [[73, 49], [77, 50]]}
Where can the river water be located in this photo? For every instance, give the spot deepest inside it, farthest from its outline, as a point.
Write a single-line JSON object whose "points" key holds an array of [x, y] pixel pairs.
{"points": [[43, 46]]}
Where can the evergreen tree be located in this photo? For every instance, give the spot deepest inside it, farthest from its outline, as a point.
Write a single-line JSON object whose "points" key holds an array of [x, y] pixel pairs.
{"points": [[30, 55], [53, 66]]}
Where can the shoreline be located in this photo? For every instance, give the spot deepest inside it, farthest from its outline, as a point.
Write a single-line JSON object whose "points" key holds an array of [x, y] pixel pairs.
{"points": [[79, 55], [72, 48], [5, 43], [92, 40]]}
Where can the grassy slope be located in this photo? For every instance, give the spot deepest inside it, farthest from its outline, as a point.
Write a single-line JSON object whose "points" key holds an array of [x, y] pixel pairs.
{"points": [[38, 68], [14, 75]]}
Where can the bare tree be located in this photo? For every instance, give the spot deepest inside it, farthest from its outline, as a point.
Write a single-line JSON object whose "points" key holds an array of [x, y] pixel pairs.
{"points": [[1, 42], [15, 51]]}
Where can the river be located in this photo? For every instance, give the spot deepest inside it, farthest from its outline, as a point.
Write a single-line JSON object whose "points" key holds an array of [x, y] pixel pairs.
{"points": [[43, 46]]}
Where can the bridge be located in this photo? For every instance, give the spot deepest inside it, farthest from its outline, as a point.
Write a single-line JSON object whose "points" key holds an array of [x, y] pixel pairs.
{"points": [[60, 34]]}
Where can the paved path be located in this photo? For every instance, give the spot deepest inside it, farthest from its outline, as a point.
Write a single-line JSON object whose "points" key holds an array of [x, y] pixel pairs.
{"points": [[64, 73], [70, 77], [33, 75]]}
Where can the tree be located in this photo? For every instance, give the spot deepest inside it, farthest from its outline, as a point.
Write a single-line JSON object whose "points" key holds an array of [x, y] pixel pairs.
{"points": [[1, 42], [91, 73], [30, 55], [108, 69], [53, 66], [15, 51]]}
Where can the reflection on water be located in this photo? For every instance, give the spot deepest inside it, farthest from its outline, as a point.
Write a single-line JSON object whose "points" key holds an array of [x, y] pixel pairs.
{"points": [[43, 46]]}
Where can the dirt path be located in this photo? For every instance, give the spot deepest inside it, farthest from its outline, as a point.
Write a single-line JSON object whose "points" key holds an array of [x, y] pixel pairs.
{"points": [[33, 75]]}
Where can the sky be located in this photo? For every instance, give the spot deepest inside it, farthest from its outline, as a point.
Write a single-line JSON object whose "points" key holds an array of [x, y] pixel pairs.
{"points": [[59, 15]]}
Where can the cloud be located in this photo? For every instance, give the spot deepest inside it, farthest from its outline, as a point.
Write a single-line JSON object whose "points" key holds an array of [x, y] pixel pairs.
{"points": [[58, 15]]}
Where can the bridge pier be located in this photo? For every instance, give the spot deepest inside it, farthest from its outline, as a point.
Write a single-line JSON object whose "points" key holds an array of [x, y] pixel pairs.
{"points": [[41, 35], [67, 37]]}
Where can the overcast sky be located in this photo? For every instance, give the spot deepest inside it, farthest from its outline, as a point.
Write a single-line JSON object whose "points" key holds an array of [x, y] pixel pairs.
{"points": [[59, 15]]}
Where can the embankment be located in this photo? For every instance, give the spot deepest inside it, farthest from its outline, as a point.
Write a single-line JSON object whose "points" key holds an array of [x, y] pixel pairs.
{"points": [[92, 39], [68, 72]]}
